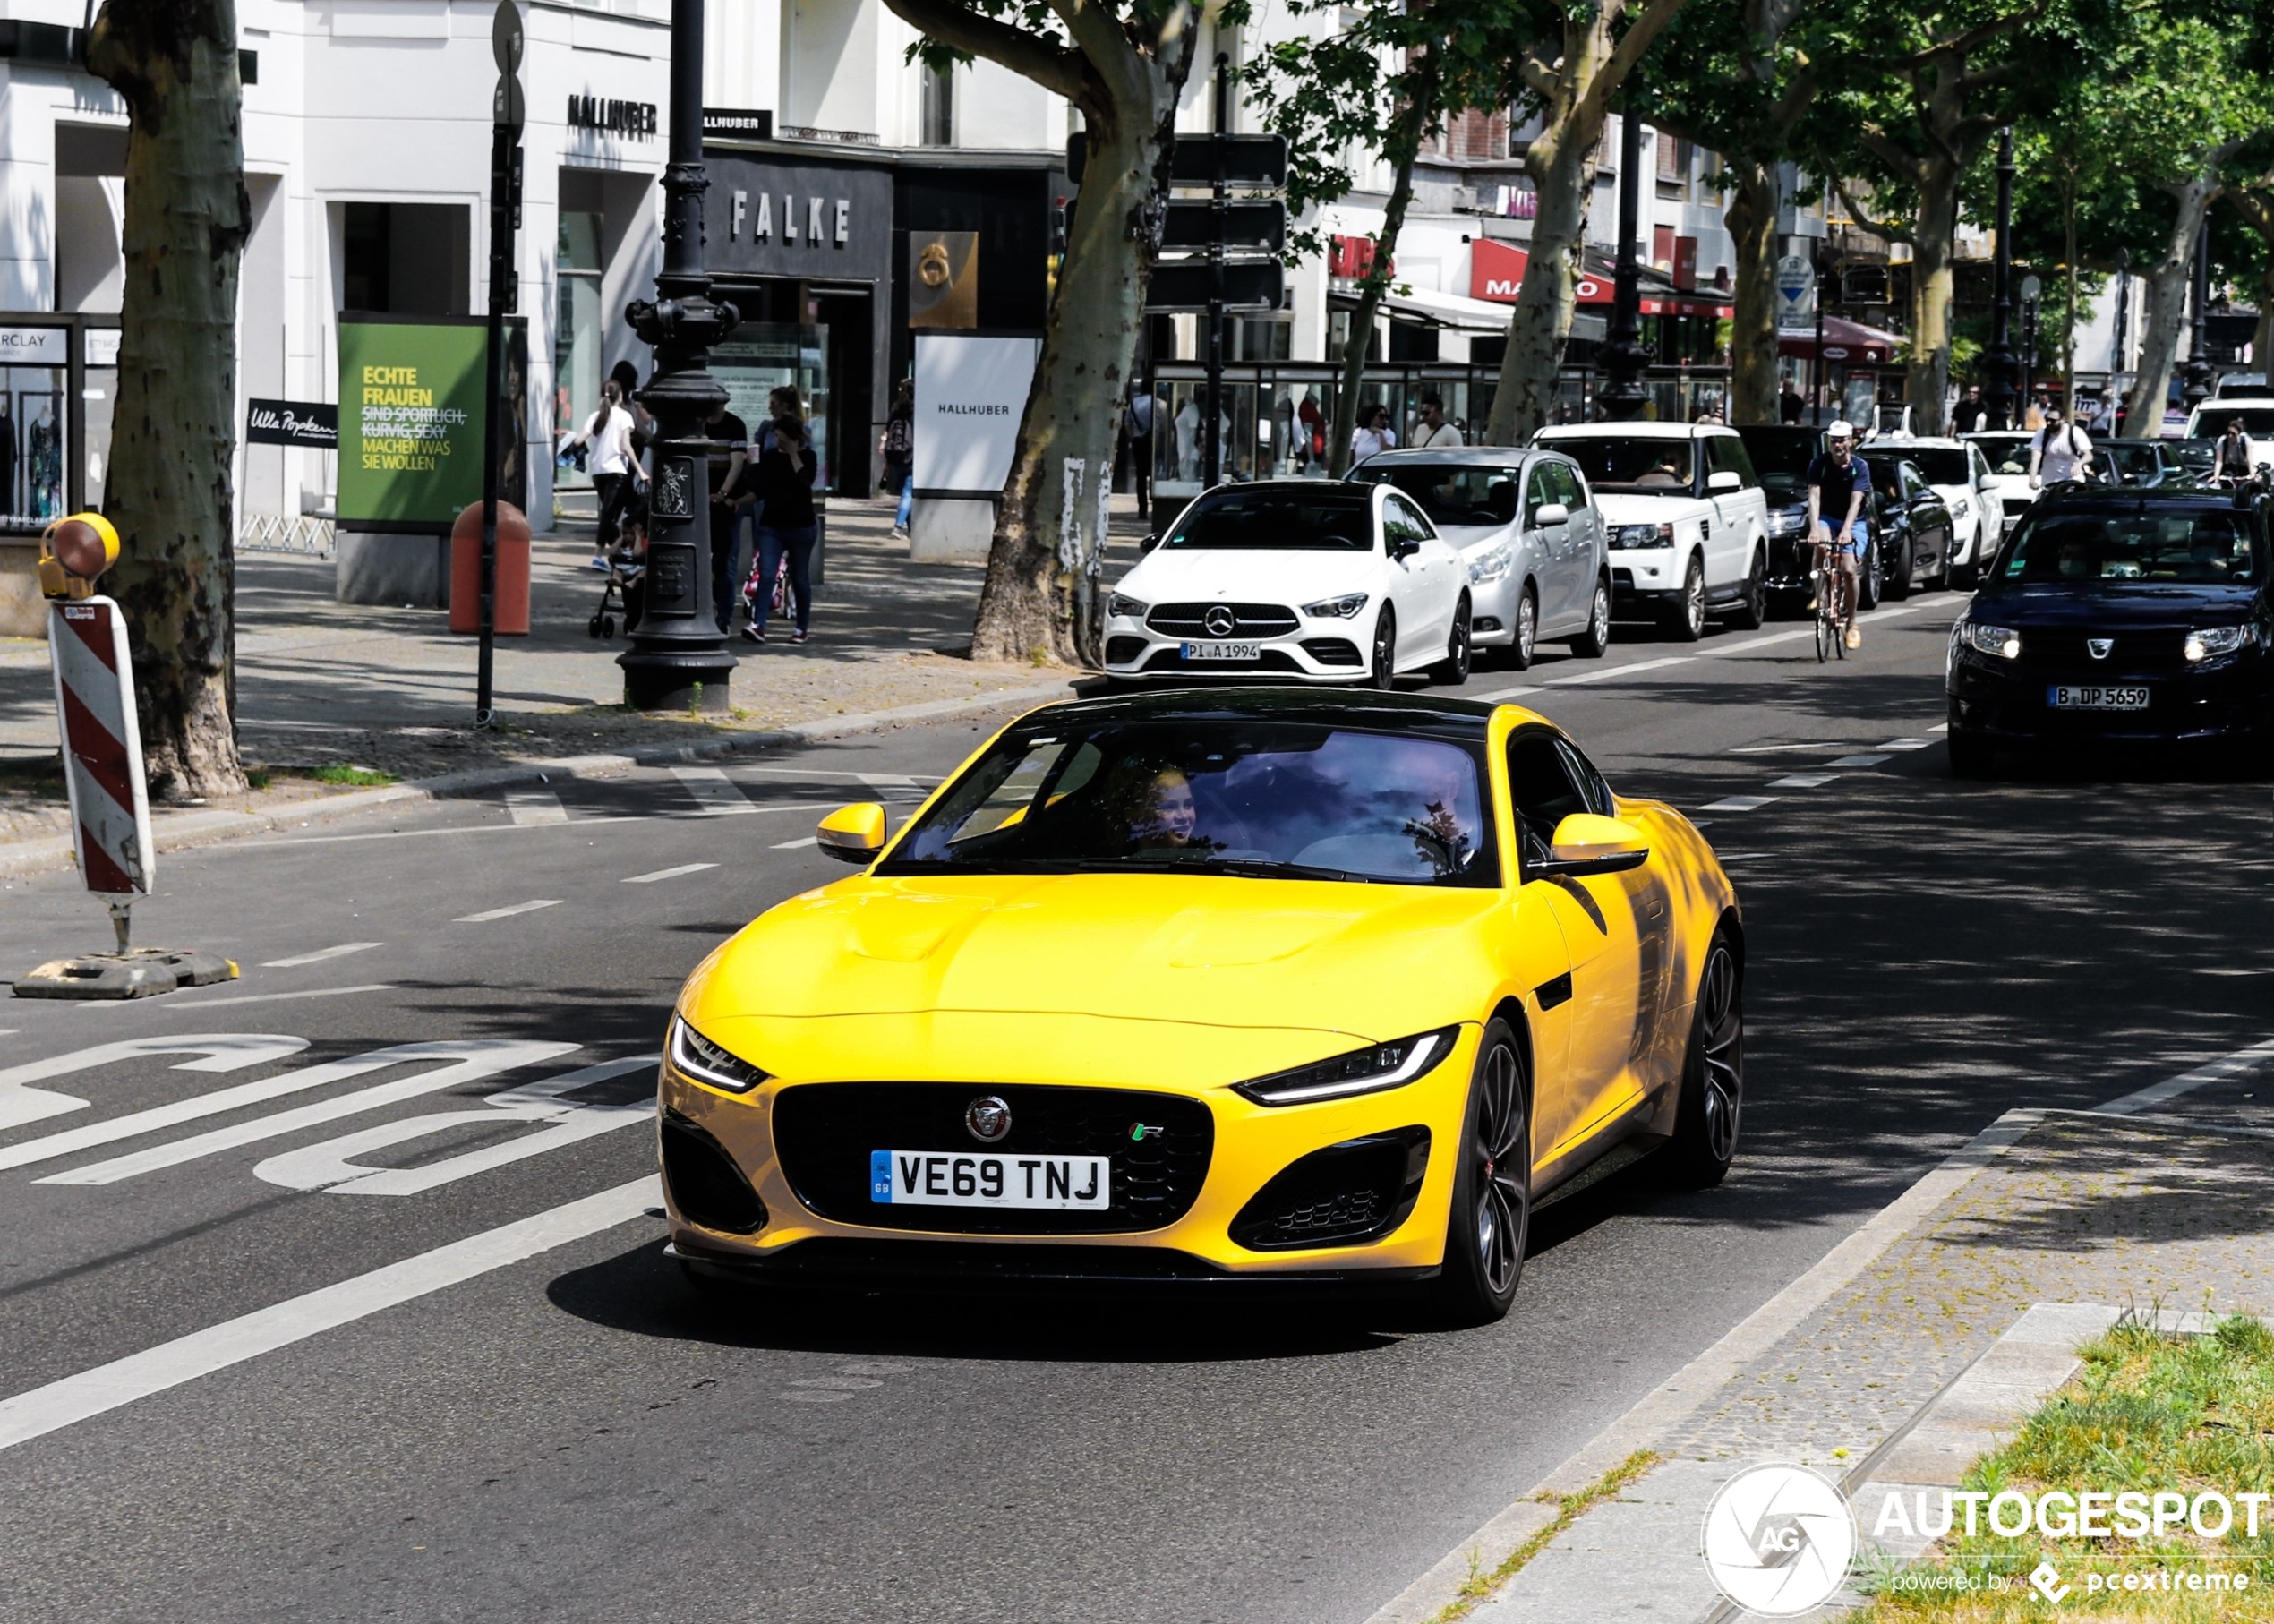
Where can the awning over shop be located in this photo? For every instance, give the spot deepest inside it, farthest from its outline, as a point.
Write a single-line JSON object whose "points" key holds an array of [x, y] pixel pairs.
{"points": [[1465, 315], [1850, 342], [1496, 274]]}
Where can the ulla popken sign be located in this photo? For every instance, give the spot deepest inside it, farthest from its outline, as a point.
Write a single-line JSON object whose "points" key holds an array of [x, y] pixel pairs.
{"points": [[292, 422]]}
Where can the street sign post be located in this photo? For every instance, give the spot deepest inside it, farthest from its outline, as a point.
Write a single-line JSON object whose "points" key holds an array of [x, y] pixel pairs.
{"points": [[1795, 290], [507, 113]]}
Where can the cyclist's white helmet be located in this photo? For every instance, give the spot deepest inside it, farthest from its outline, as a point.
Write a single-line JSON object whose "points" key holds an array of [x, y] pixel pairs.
{"points": [[1840, 429]]}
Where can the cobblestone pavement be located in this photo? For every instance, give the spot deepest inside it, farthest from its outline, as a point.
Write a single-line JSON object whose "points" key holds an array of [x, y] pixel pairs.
{"points": [[323, 683]]}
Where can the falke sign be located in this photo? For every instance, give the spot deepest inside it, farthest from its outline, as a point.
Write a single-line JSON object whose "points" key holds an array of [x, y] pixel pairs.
{"points": [[633, 118], [824, 220]]}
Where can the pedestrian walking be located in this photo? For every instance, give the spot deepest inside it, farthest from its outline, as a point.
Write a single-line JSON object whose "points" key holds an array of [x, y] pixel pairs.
{"points": [[729, 462], [2060, 453], [1374, 435], [1137, 417], [1435, 431], [626, 376], [616, 473], [786, 530], [1967, 416], [1788, 404], [898, 445]]}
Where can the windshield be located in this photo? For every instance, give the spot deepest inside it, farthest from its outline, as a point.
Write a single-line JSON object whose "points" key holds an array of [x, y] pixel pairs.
{"points": [[1781, 455], [2212, 420], [2196, 456], [2007, 453], [1941, 466], [2193, 546], [1253, 799], [1631, 465], [1295, 517], [1451, 494]]}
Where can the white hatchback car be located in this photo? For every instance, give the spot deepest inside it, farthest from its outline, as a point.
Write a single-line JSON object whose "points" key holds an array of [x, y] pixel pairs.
{"points": [[1305, 579]]}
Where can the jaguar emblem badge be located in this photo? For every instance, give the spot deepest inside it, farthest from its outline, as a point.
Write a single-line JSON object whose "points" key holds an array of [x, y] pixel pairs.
{"points": [[2098, 648], [988, 1118], [1221, 621]]}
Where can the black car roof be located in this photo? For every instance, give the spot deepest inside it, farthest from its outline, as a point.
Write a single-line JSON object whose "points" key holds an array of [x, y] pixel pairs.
{"points": [[1330, 707], [2135, 499]]}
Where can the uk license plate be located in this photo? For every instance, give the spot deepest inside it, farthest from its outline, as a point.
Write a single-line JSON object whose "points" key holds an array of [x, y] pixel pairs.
{"points": [[2063, 699], [951, 1178], [1223, 651]]}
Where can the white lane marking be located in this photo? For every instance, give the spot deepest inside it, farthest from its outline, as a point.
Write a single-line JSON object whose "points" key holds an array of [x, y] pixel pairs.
{"points": [[668, 874], [1608, 672], [506, 913], [1719, 649], [819, 772], [1804, 781], [535, 805], [2236, 1064], [466, 829], [1940, 727], [1859, 761], [1764, 749], [20, 1103], [894, 782], [1739, 803], [1904, 744], [108, 1387], [1507, 693], [1738, 857], [328, 1166], [810, 1396], [714, 792], [849, 1384], [475, 1059], [236, 998], [791, 845], [222, 1100], [320, 954]]}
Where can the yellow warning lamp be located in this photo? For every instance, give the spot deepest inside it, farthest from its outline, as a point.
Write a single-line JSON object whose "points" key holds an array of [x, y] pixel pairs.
{"points": [[73, 553]]}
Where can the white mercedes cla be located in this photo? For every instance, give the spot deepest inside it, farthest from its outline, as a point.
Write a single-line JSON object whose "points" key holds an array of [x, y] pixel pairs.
{"points": [[1294, 579]]}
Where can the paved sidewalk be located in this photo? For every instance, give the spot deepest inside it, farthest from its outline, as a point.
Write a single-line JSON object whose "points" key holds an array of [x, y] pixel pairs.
{"points": [[2126, 1212], [326, 684]]}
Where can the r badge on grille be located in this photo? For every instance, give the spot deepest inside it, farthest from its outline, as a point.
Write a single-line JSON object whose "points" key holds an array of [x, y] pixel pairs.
{"points": [[2098, 648], [988, 1118]]}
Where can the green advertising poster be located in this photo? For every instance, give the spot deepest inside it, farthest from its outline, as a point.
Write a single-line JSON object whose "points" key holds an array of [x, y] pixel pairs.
{"points": [[410, 420]]}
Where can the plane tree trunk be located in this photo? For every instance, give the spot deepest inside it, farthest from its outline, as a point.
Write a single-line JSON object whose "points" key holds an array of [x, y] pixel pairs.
{"points": [[2167, 310], [1753, 329]]}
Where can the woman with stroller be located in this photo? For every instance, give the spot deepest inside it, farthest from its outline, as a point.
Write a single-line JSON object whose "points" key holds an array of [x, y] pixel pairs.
{"points": [[614, 464], [783, 485]]}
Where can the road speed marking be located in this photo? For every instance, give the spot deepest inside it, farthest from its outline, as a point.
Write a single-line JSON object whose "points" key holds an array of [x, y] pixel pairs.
{"points": [[20, 1103]]}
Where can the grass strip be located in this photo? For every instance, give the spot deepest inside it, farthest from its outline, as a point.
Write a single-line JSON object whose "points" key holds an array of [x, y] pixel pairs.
{"points": [[339, 773], [1481, 1584], [2150, 1411]]}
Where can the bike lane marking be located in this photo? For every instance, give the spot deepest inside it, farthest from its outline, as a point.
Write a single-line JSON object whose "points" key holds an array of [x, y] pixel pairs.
{"points": [[320, 954], [2236, 1064], [21, 1104]]}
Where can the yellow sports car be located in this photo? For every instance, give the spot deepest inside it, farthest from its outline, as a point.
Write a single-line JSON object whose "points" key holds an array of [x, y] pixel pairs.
{"points": [[1201, 985]]}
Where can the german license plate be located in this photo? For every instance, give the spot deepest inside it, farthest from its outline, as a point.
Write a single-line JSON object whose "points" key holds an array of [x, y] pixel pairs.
{"points": [[2063, 698], [950, 1178], [1223, 651]]}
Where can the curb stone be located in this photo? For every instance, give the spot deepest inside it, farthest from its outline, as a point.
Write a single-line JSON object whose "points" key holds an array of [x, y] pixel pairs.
{"points": [[188, 829]]}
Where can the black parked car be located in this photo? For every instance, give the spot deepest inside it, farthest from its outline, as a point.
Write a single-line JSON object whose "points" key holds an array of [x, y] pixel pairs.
{"points": [[2198, 459], [1915, 528], [2143, 462], [2118, 616], [1780, 455]]}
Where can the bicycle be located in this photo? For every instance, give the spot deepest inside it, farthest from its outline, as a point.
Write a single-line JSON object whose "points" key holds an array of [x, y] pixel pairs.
{"points": [[1835, 601]]}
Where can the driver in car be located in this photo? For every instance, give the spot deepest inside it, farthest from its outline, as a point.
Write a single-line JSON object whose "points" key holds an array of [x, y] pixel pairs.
{"points": [[1156, 803]]}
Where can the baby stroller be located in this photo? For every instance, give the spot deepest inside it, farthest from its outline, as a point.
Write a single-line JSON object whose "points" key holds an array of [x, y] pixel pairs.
{"points": [[623, 568]]}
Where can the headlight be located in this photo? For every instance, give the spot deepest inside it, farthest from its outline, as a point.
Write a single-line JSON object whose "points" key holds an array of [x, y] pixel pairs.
{"points": [[1336, 609], [1642, 536], [1386, 1065], [1491, 564], [2213, 640], [695, 1056], [1125, 608], [1791, 522], [1995, 640]]}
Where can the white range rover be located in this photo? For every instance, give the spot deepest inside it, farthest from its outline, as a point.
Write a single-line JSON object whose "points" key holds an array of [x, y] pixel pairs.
{"points": [[1687, 521]]}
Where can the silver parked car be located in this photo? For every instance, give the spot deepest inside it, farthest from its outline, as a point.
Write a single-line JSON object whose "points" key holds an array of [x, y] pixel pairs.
{"points": [[1528, 530]]}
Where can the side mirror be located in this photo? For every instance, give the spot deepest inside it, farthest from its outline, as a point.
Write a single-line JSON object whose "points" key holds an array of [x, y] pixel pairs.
{"points": [[854, 833], [1550, 513], [1403, 547], [1151, 541], [1585, 844], [1724, 479]]}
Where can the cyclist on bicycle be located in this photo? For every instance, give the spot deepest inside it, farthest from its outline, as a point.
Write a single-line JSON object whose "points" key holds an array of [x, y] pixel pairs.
{"points": [[2235, 460], [1840, 484]]}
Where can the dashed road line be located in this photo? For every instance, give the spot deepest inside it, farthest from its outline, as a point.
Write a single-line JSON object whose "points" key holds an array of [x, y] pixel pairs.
{"points": [[193, 1001], [791, 845], [1859, 761], [889, 781], [320, 954], [1804, 781], [718, 795], [2236, 1064], [485, 917], [1607, 672], [1905, 744], [1768, 749], [667, 874], [1497, 695], [531, 805], [1739, 803]]}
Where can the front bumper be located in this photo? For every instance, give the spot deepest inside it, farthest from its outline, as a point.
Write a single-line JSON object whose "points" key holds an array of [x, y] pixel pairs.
{"points": [[1645, 575], [2007, 702], [1315, 651], [1491, 611], [1250, 1148]]}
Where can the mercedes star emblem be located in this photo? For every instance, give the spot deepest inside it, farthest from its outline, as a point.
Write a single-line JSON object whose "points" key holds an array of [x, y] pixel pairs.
{"points": [[1221, 621], [988, 1118], [2098, 648]]}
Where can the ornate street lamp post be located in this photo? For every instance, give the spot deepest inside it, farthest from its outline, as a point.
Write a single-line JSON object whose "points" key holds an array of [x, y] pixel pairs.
{"points": [[1625, 357], [2198, 368], [2000, 363], [678, 658]]}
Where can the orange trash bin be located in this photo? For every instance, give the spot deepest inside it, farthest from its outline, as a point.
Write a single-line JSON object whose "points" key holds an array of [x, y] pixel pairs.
{"points": [[512, 613]]}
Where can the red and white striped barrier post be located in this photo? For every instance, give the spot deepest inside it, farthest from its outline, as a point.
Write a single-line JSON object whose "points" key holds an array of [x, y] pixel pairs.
{"points": [[102, 755]]}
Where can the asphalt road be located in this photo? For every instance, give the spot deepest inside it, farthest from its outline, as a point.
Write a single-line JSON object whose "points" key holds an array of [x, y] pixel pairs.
{"points": [[257, 1375]]}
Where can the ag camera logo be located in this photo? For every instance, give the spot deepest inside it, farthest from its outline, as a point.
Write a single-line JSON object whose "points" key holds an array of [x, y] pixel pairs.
{"points": [[1777, 1540]]}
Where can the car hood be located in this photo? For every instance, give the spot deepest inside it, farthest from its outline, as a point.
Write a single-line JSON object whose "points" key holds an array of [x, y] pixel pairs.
{"points": [[1373, 961], [1228, 576], [2122, 607], [1470, 539], [1635, 508]]}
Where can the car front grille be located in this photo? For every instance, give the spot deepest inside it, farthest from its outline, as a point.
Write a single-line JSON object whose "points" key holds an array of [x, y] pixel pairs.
{"points": [[2133, 652], [1248, 620], [824, 1133]]}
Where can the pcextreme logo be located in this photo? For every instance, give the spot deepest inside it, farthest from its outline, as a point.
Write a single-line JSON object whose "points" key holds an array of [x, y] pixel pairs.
{"points": [[1777, 1540]]}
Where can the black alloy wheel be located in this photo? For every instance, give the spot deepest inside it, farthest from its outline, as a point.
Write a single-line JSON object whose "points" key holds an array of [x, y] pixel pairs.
{"points": [[1460, 651], [1897, 585], [1595, 641], [1753, 609], [1528, 630], [1685, 622], [1491, 1220], [1384, 673], [1871, 583], [1712, 1083]]}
